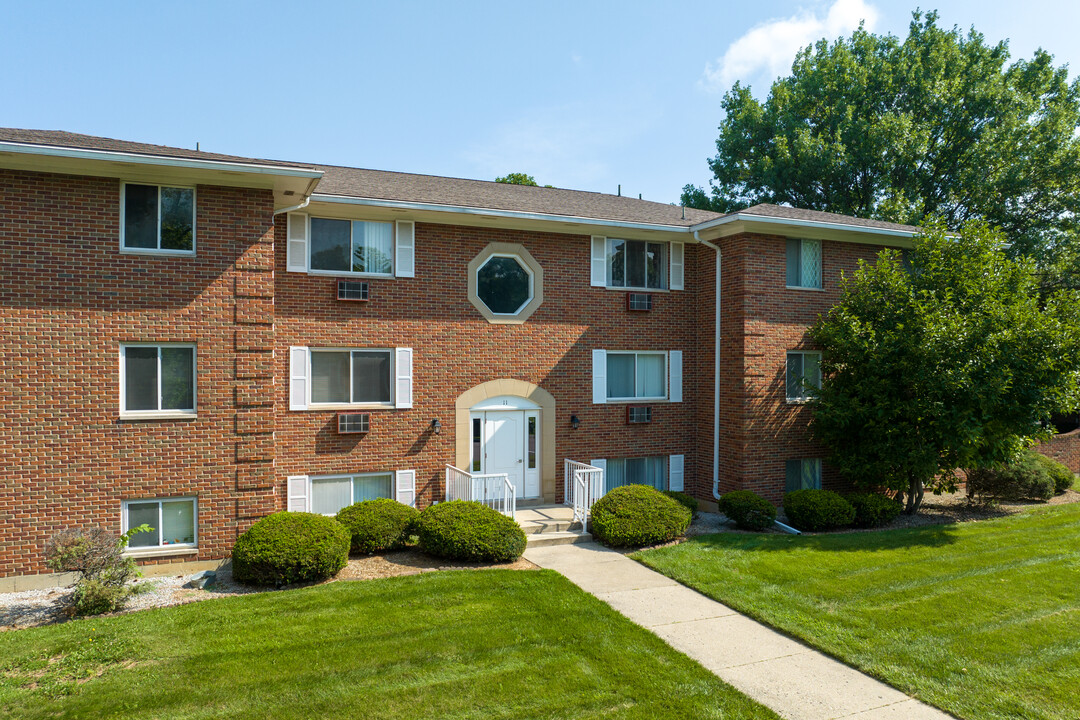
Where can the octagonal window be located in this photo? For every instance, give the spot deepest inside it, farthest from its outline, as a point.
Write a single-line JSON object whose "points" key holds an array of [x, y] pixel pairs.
{"points": [[504, 284]]}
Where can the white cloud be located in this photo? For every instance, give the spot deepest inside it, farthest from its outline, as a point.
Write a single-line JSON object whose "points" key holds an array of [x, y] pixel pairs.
{"points": [[766, 51]]}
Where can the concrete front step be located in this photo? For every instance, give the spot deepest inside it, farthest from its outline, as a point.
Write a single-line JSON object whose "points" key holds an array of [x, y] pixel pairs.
{"points": [[558, 538], [537, 527]]}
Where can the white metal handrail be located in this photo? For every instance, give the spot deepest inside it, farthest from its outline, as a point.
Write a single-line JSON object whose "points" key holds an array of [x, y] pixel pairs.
{"points": [[492, 489], [583, 485]]}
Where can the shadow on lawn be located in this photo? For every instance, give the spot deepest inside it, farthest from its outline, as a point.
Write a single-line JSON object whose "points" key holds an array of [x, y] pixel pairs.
{"points": [[928, 536]]}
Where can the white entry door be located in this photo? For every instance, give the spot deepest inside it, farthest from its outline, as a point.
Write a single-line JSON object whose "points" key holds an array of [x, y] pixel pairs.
{"points": [[507, 441]]}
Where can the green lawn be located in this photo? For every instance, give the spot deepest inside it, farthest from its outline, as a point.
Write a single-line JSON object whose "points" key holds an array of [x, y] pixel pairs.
{"points": [[468, 644], [981, 619]]}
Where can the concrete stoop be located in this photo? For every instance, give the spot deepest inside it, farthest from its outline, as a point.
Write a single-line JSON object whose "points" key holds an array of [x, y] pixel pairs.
{"points": [[551, 525]]}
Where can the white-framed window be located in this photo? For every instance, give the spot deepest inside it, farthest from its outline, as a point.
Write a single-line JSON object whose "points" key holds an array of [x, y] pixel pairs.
{"points": [[637, 264], [157, 219], [351, 247], [330, 493], [636, 375], [173, 521], [803, 375], [803, 474], [158, 380], [327, 494], [504, 283], [331, 378], [804, 264], [651, 471]]}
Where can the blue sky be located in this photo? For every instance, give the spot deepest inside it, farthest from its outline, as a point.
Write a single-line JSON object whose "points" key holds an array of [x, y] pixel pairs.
{"points": [[586, 95]]}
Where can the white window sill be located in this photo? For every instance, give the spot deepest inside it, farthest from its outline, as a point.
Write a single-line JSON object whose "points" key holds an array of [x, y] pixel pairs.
{"points": [[800, 287], [347, 274], [164, 550], [151, 251], [636, 401], [350, 407], [157, 415], [637, 290], [798, 401]]}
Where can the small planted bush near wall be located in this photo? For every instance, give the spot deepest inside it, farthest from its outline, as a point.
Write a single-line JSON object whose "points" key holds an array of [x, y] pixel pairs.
{"points": [[96, 556], [378, 525], [470, 531], [873, 509], [748, 510], [817, 510], [638, 516], [290, 547], [1027, 479], [1061, 475], [687, 501]]}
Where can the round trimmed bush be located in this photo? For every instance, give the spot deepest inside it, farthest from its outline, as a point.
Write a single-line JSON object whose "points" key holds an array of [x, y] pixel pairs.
{"points": [[378, 525], [748, 510], [874, 510], [687, 501], [637, 516], [1023, 480], [290, 547], [1061, 475], [816, 510], [466, 530]]}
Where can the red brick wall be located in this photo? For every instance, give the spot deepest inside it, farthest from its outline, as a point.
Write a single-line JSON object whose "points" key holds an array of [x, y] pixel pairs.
{"points": [[1065, 448], [455, 349], [761, 321], [67, 300]]}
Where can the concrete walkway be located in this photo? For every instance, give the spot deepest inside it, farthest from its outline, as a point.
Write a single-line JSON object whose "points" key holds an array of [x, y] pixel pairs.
{"points": [[794, 680]]}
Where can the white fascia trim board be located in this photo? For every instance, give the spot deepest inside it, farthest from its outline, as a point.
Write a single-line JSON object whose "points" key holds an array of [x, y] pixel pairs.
{"points": [[116, 156], [491, 212], [748, 217]]}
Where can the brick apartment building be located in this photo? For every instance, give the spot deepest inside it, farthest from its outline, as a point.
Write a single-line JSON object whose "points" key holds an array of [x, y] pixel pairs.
{"points": [[195, 340]]}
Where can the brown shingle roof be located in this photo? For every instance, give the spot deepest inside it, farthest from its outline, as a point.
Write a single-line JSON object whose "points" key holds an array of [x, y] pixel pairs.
{"points": [[60, 138], [406, 187], [790, 213]]}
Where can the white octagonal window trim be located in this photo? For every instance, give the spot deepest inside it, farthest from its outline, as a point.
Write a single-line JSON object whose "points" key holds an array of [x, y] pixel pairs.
{"points": [[506, 284]]}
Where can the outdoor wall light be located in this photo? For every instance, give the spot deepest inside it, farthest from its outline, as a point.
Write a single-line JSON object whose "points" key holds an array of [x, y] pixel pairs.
{"points": [[574, 422], [436, 426]]}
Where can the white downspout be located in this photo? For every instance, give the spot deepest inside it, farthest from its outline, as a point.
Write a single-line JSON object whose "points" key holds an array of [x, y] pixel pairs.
{"points": [[716, 374], [294, 208]]}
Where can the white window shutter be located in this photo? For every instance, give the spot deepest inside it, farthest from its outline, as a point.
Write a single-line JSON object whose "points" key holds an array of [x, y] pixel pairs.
{"points": [[675, 376], [675, 472], [405, 487], [403, 374], [297, 247], [598, 483], [405, 254], [298, 493], [599, 376], [678, 252], [298, 378], [598, 265]]}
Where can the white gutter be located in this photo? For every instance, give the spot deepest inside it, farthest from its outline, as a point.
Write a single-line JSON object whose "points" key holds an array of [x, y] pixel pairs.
{"points": [[716, 374], [116, 156], [306, 201], [819, 224], [492, 212]]}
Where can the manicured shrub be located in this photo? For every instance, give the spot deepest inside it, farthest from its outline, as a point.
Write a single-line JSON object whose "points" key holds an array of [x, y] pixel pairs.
{"points": [[816, 510], [1026, 479], [290, 547], [637, 516], [690, 503], [874, 510], [748, 510], [1061, 475], [378, 525], [471, 531]]}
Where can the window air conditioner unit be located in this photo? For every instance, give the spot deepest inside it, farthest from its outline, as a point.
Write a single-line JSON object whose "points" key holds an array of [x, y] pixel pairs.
{"points": [[638, 301], [353, 423], [638, 414], [352, 290]]}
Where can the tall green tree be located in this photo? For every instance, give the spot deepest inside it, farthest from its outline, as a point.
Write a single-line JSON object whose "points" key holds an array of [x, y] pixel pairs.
{"points": [[937, 124], [517, 179], [955, 362]]}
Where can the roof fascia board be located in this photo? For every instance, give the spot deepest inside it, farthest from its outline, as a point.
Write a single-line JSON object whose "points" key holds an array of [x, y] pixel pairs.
{"points": [[135, 158], [491, 212], [814, 224]]}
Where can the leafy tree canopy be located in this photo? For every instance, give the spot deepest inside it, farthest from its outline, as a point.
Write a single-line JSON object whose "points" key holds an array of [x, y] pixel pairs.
{"points": [[955, 362], [937, 124], [517, 179]]}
